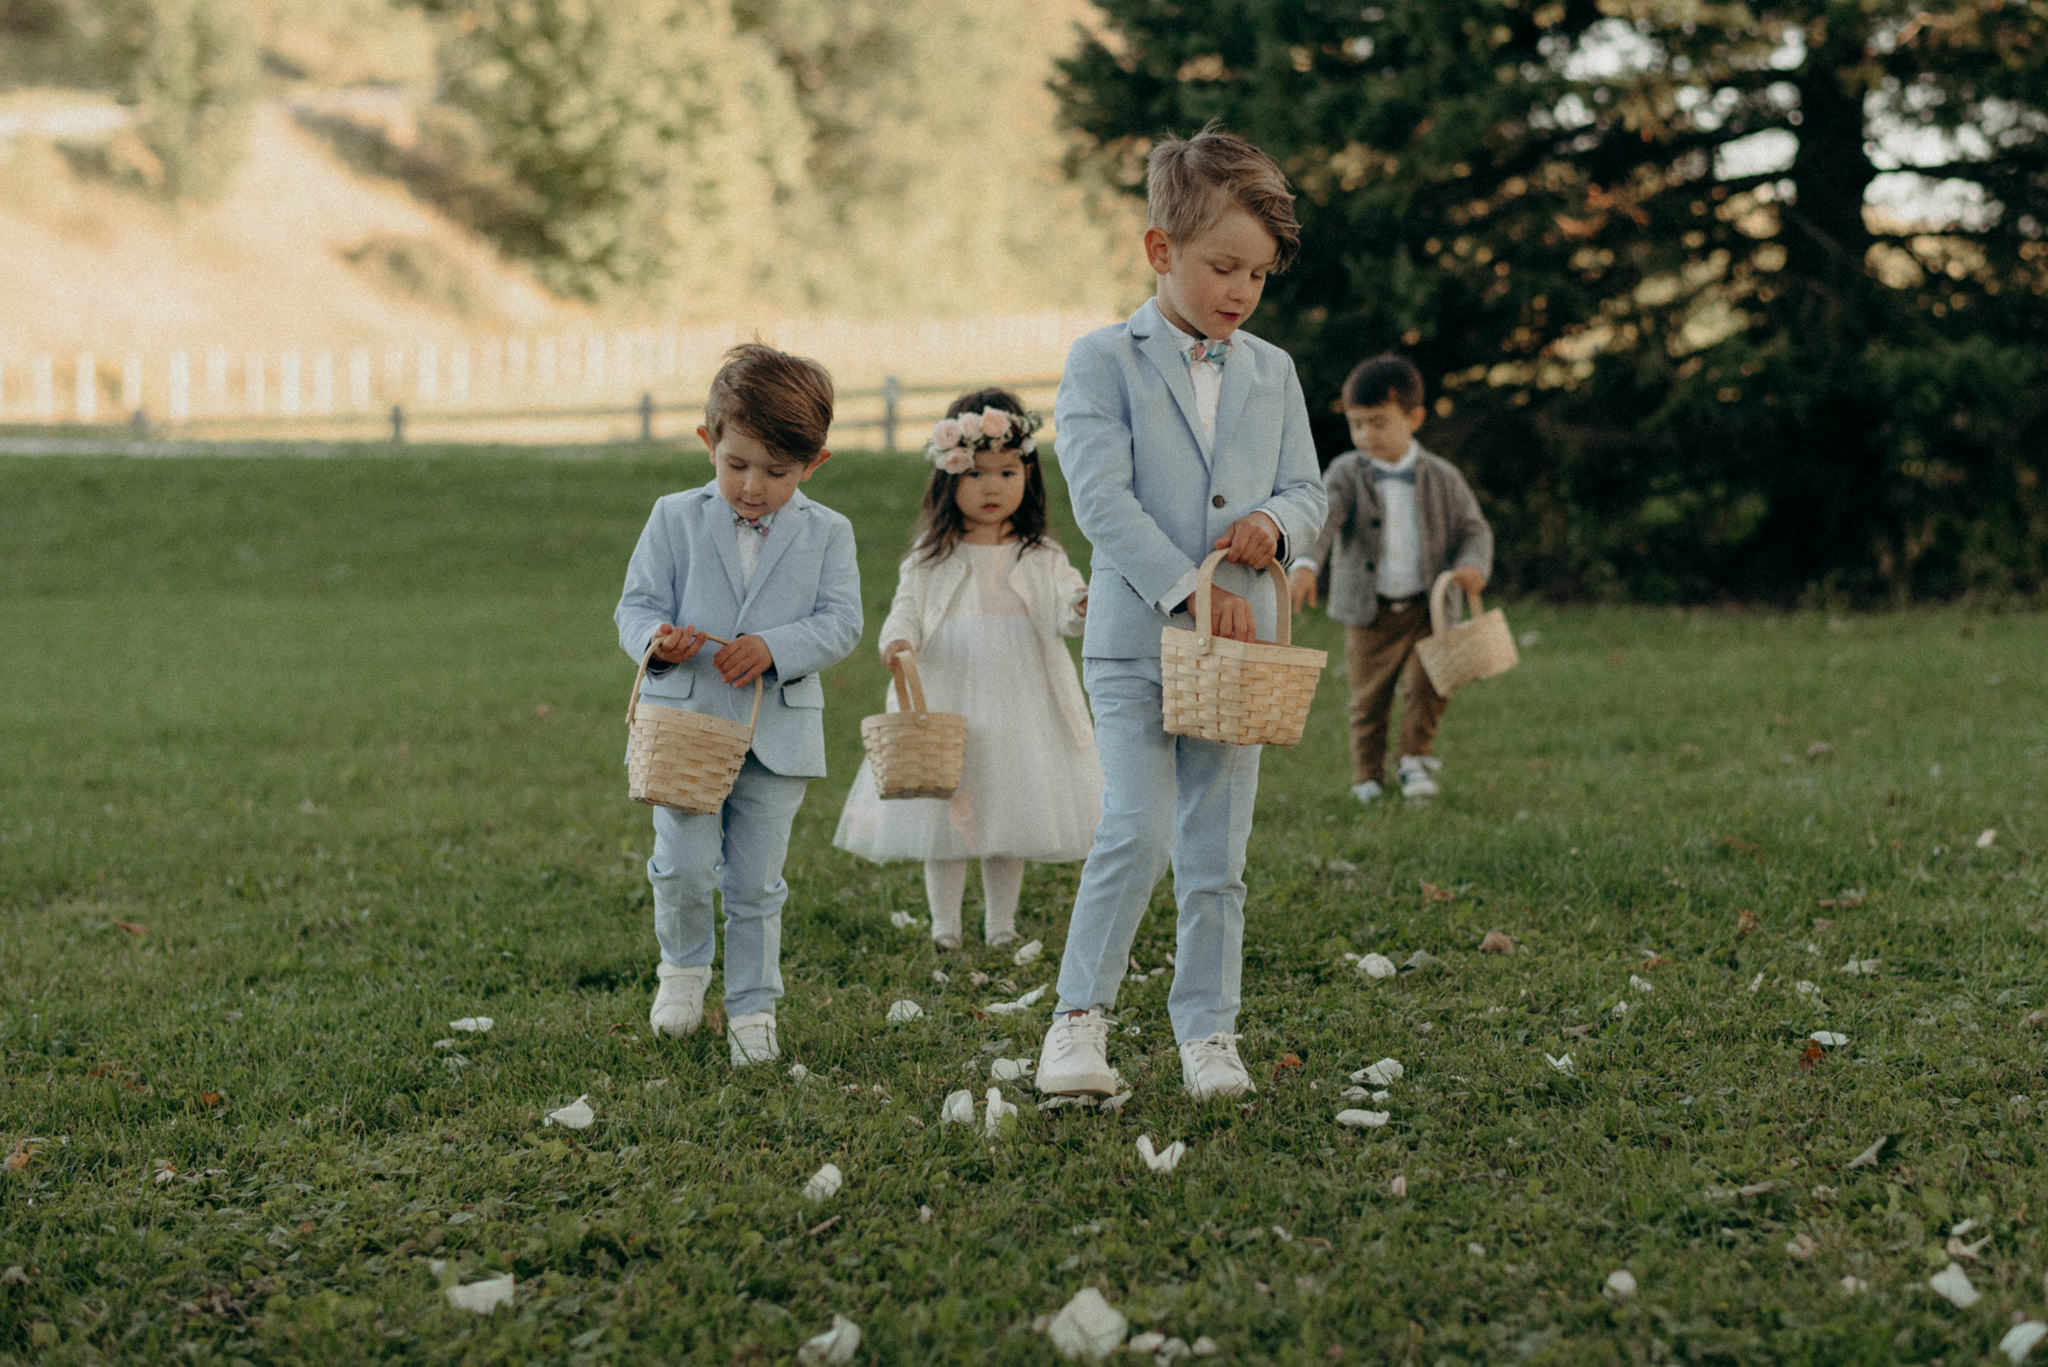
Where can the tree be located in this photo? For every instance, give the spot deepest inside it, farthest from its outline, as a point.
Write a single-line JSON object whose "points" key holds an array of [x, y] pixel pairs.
{"points": [[190, 67], [1755, 292]]}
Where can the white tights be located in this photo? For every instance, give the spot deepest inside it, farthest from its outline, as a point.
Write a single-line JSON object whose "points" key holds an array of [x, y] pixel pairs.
{"points": [[945, 887]]}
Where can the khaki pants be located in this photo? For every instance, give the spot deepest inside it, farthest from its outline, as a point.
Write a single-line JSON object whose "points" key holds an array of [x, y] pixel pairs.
{"points": [[1374, 657]]}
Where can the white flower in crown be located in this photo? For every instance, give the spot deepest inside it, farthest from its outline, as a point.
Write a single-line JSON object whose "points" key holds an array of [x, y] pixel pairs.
{"points": [[945, 433], [955, 441], [957, 460], [995, 423]]}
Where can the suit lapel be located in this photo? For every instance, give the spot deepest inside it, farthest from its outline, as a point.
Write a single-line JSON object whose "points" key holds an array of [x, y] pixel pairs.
{"points": [[1161, 345], [1239, 374], [781, 533], [718, 528]]}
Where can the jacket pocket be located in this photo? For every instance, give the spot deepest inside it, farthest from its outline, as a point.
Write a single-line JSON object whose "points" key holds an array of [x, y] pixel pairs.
{"points": [[671, 687], [804, 692]]}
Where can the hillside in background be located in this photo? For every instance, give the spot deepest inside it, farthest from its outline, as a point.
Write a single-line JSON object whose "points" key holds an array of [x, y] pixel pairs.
{"points": [[867, 162]]}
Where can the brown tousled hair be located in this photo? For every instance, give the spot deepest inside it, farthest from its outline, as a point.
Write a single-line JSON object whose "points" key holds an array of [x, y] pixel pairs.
{"points": [[1191, 182], [782, 401], [940, 525], [1372, 382]]}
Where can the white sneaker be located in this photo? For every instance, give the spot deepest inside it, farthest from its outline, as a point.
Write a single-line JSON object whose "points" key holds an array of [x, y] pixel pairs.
{"points": [[679, 1000], [1210, 1067], [1075, 1058], [1415, 779], [1365, 792], [752, 1038]]}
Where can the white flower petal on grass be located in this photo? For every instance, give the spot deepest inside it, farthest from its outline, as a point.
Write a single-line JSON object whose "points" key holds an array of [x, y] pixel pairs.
{"points": [[2021, 1338], [1382, 1074], [1204, 1347], [444, 1044], [1151, 1341], [941, 977], [1862, 968], [1618, 1010], [1023, 1003], [797, 1072], [1952, 1284], [1755, 983], [472, 1025], [1988, 839], [958, 1108], [1562, 1064], [1398, 1188], [1853, 1284], [902, 920], [1828, 1039], [1377, 966], [1356, 1094], [482, 1297], [1620, 1284], [1160, 1160], [1009, 1069], [833, 1348], [1027, 951], [825, 1183], [904, 1010], [1868, 1158], [1364, 1120], [577, 1115], [1639, 984], [998, 1111], [1087, 1326]]}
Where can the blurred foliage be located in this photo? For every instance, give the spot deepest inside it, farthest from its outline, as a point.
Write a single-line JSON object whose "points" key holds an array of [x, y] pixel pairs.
{"points": [[1687, 351], [190, 66]]}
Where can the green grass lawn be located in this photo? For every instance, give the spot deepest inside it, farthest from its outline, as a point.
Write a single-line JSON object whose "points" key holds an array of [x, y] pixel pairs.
{"points": [[301, 760]]}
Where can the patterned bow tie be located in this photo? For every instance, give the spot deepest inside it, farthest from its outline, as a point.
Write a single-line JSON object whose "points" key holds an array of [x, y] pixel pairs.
{"points": [[758, 524], [1383, 472], [1205, 350]]}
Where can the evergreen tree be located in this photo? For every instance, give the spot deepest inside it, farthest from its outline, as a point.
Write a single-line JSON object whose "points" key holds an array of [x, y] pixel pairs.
{"points": [[1724, 297]]}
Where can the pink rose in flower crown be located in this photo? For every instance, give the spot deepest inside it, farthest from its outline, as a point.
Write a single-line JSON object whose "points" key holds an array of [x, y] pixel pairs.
{"points": [[995, 423], [946, 432], [957, 461]]}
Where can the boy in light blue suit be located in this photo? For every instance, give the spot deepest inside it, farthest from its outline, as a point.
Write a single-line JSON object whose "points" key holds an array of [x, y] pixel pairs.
{"points": [[1178, 434], [746, 557]]}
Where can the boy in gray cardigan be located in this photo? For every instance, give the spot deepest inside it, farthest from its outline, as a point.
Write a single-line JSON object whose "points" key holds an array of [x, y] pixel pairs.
{"points": [[1398, 517]]}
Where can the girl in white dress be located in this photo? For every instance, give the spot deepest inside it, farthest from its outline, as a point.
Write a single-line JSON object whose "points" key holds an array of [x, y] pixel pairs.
{"points": [[983, 599]]}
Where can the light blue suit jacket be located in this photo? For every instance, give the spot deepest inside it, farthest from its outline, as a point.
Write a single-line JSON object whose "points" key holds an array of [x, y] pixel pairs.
{"points": [[1152, 491], [804, 602]]}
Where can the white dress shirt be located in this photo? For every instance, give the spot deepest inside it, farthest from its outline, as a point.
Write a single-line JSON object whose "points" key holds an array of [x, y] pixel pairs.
{"points": [[1399, 572], [1207, 378], [749, 543]]}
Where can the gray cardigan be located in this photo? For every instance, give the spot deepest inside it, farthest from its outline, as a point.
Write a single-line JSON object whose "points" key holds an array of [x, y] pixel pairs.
{"points": [[1454, 533]]}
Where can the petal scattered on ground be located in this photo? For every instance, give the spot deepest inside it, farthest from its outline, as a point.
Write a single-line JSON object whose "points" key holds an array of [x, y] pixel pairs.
{"points": [[1952, 1284], [1023, 1003], [825, 1183], [1868, 1158], [1160, 1160], [1027, 951], [1087, 1326], [1009, 1069], [2021, 1338], [797, 1072], [1382, 1074], [474, 1025], [902, 920], [482, 1297], [904, 1010], [834, 1347], [1377, 966], [577, 1115], [1363, 1120], [1988, 839], [1828, 1039], [1398, 1188], [1497, 942], [998, 1111], [1562, 1063], [1620, 1284], [958, 1108]]}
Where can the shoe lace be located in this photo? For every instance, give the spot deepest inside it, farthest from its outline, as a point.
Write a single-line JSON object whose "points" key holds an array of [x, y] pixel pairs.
{"points": [[1221, 1046], [1094, 1023]]}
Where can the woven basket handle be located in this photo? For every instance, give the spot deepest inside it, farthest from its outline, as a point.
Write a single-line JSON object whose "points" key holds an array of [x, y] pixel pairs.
{"points": [[1283, 621], [1440, 622], [909, 687], [633, 699]]}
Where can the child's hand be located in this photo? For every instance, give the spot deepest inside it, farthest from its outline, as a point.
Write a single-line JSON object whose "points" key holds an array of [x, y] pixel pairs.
{"points": [[891, 651], [1251, 540], [1230, 616], [677, 644], [744, 661], [1468, 579], [1301, 588], [1081, 604]]}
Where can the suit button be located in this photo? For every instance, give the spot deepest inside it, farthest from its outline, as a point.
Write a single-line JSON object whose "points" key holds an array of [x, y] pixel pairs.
{"points": [[1368, 567], [1216, 502], [1374, 523]]}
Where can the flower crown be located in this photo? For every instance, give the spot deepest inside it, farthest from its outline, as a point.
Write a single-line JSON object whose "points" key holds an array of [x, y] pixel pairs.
{"points": [[955, 440]]}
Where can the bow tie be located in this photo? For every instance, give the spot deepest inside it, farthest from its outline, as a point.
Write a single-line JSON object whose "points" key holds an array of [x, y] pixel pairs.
{"points": [[1380, 471], [756, 524], [1206, 350]]}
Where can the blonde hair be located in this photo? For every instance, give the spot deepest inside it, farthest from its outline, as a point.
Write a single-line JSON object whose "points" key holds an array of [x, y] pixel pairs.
{"points": [[782, 401], [1190, 183]]}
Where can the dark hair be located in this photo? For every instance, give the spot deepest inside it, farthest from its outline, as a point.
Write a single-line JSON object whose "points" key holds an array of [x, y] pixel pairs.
{"points": [[1189, 183], [1372, 382], [941, 523], [782, 401]]}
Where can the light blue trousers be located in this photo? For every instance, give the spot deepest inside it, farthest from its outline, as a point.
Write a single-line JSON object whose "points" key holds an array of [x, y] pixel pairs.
{"points": [[1165, 799], [737, 852]]}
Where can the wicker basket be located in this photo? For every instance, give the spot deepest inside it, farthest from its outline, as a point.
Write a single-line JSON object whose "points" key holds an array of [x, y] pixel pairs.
{"points": [[1236, 692], [1455, 654], [914, 752], [682, 759]]}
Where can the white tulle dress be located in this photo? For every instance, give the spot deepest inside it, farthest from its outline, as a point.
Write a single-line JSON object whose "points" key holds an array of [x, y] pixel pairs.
{"points": [[1030, 788]]}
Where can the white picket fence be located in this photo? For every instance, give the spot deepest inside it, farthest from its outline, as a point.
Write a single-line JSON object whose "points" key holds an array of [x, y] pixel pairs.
{"points": [[593, 378]]}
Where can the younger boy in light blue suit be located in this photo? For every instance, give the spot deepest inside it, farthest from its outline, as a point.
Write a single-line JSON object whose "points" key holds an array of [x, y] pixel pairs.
{"points": [[1178, 434], [746, 557]]}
